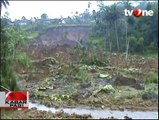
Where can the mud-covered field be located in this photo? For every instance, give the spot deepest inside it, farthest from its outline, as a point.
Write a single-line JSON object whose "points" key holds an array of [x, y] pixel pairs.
{"points": [[75, 79], [34, 114]]}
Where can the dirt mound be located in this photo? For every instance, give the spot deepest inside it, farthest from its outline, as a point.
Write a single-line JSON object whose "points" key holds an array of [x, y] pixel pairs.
{"points": [[124, 81], [154, 63]]}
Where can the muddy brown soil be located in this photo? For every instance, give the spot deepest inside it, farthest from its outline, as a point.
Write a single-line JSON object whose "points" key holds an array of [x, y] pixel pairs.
{"points": [[54, 86], [63, 91], [35, 114], [124, 81]]}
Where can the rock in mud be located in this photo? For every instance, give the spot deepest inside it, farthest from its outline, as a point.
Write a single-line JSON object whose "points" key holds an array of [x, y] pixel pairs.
{"points": [[124, 81], [85, 85], [103, 75], [101, 82], [34, 108], [108, 89], [42, 88], [127, 118], [150, 96], [83, 93], [112, 118]]}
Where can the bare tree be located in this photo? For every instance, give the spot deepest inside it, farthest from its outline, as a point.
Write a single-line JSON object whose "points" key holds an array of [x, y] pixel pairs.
{"points": [[127, 5], [127, 41], [116, 34]]}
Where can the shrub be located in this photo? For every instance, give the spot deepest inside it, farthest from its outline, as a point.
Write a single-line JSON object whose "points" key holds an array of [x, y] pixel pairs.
{"points": [[80, 74], [94, 59], [10, 81], [73, 71], [153, 78]]}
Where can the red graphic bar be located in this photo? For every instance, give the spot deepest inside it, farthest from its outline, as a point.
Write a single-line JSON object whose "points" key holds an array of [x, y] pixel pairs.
{"points": [[16, 96]]}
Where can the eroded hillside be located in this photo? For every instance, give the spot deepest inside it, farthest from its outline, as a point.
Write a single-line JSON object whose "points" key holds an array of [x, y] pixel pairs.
{"points": [[59, 36]]}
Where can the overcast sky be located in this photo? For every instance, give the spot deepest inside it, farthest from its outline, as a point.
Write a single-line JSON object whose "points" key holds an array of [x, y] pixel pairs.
{"points": [[54, 9]]}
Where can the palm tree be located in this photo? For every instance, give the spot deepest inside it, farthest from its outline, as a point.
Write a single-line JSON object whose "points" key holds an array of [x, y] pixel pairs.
{"points": [[127, 5], [4, 3]]}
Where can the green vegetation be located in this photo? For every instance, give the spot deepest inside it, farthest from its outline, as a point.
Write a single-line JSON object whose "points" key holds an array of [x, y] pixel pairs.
{"points": [[93, 59], [153, 78], [32, 35], [79, 74], [151, 55], [96, 43], [73, 71], [94, 73], [108, 88], [12, 38], [115, 32], [24, 60], [151, 88]]}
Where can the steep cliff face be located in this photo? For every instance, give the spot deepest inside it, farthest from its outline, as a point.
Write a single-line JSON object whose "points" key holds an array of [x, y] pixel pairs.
{"points": [[62, 35], [55, 39]]}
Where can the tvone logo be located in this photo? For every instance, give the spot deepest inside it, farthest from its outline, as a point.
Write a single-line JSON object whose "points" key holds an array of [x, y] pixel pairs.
{"points": [[138, 12]]}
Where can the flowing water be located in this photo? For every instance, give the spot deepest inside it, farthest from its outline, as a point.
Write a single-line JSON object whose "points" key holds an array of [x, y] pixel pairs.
{"points": [[100, 113]]}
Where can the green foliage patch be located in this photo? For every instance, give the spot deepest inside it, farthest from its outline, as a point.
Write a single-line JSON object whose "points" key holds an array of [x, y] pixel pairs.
{"points": [[93, 59], [153, 78], [12, 37]]}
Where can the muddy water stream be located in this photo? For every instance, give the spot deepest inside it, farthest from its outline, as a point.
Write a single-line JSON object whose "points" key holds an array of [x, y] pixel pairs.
{"points": [[100, 113]]}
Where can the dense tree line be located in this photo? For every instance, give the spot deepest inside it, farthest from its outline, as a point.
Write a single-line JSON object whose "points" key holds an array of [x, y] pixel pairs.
{"points": [[127, 33]]}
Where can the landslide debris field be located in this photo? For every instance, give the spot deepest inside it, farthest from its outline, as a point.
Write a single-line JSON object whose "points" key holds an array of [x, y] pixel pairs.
{"points": [[99, 63], [66, 76], [73, 78]]}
